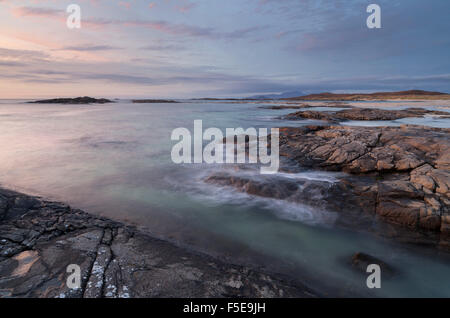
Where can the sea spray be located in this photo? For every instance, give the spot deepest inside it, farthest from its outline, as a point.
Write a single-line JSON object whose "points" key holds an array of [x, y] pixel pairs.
{"points": [[255, 141]]}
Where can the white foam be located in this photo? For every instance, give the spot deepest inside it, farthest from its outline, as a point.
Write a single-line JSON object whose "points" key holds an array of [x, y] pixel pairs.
{"points": [[325, 176], [214, 195]]}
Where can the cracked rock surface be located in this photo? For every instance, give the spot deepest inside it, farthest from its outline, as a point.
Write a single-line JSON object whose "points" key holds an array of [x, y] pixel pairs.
{"points": [[396, 180], [409, 168], [39, 239]]}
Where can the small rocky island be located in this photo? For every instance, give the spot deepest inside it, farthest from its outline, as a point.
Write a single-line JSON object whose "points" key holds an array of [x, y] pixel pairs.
{"points": [[153, 101], [75, 101]]}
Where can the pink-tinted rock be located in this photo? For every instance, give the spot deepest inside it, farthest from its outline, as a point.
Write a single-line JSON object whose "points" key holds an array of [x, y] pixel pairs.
{"points": [[409, 165]]}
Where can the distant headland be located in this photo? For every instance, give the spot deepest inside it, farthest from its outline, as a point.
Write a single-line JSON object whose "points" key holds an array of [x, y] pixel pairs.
{"points": [[403, 95]]}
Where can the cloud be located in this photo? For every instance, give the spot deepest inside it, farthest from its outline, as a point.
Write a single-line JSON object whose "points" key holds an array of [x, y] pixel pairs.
{"points": [[206, 83], [125, 4], [23, 54], [12, 64], [193, 77], [25, 66], [186, 7], [379, 83], [163, 47], [89, 48], [178, 29], [280, 45], [37, 12], [436, 78], [343, 32]]}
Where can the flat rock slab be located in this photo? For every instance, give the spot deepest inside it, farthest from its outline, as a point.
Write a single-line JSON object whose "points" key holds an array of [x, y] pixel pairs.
{"points": [[40, 239]]}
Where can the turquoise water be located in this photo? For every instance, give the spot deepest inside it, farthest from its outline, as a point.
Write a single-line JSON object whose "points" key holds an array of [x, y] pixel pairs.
{"points": [[114, 160]]}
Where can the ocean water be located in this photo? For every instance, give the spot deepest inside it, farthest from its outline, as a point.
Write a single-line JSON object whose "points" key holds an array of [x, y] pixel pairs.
{"points": [[114, 160]]}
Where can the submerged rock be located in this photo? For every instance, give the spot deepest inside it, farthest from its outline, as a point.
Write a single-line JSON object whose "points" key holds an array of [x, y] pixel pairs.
{"points": [[360, 262], [320, 194]]}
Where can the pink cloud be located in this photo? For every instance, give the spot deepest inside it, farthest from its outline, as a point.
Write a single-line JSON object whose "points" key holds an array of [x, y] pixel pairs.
{"points": [[162, 26], [125, 4], [186, 7], [36, 12]]}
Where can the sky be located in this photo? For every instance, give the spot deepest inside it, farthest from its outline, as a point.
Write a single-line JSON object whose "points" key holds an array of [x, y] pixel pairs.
{"points": [[221, 48]]}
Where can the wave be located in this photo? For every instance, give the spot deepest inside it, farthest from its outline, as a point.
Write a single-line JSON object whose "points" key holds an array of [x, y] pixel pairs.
{"points": [[191, 182]]}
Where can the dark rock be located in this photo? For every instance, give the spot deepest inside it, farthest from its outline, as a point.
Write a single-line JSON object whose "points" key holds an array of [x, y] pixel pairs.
{"points": [[321, 194], [115, 260], [279, 189]]}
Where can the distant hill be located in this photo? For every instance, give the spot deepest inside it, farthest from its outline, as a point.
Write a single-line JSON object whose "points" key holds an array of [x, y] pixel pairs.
{"points": [[278, 96], [411, 94]]}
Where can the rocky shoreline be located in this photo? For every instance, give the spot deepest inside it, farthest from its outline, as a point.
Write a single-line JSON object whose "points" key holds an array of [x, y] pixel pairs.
{"points": [[407, 170], [391, 181], [395, 181], [39, 239]]}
